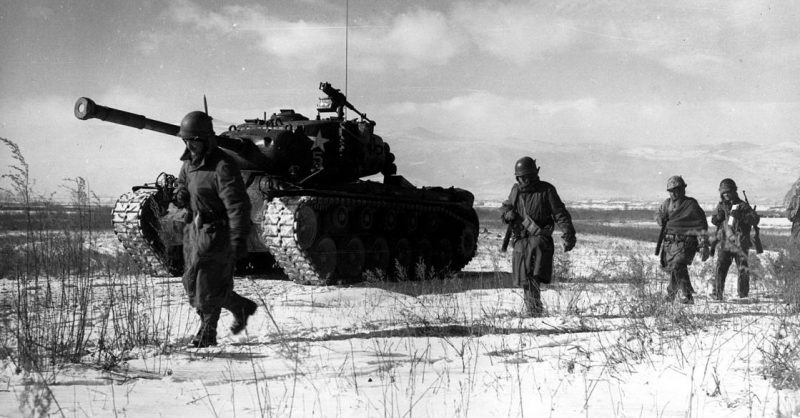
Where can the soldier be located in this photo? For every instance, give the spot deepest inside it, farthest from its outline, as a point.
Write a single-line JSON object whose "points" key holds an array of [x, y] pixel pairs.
{"points": [[211, 188], [792, 203], [685, 233], [733, 218], [532, 210]]}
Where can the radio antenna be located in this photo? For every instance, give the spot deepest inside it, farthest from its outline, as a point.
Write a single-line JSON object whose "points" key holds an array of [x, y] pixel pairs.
{"points": [[346, 40]]}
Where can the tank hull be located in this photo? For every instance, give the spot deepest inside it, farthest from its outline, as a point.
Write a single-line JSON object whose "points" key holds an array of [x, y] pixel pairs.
{"points": [[323, 236]]}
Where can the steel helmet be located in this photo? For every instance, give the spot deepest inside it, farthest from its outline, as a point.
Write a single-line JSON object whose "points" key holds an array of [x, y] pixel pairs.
{"points": [[727, 185], [525, 166], [674, 182], [196, 124]]}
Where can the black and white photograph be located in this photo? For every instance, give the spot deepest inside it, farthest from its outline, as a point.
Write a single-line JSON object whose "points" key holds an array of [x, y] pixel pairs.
{"points": [[353, 208]]}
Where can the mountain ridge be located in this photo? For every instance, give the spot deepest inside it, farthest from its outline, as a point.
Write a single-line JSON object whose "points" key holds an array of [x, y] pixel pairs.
{"points": [[584, 171]]}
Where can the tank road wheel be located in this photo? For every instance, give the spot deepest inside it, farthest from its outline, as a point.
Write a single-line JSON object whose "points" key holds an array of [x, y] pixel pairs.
{"points": [[323, 258], [431, 223], [402, 256], [444, 254], [366, 218], [305, 227], [339, 217], [390, 220], [411, 222], [351, 259], [423, 257], [378, 255], [467, 242]]}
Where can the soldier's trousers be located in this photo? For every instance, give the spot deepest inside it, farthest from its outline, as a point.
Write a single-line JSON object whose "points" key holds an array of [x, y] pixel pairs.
{"points": [[533, 298], [208, 272], [794, 244], [679, 280], [532, 265], [724, 260], [676, 255]]}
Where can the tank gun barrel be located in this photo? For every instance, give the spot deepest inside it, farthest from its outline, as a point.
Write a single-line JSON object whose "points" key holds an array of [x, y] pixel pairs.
{"points": [[86, 108]]}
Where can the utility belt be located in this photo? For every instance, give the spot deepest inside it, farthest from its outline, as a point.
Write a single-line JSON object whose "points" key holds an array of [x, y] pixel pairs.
{"points": [[522, 233], [679, 237]]}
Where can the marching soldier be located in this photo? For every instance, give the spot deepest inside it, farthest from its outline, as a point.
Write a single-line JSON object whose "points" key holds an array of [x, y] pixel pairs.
{"points": [[211, 188], [685, 232], [792, 203], [733, 218], [532, 210]]}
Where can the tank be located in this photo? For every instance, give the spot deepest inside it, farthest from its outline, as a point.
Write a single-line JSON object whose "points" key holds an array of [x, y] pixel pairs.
{"points": [[315, 215]]}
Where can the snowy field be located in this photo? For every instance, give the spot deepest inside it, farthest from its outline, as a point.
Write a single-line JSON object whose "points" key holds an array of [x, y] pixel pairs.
{"points": [[608, 346]]}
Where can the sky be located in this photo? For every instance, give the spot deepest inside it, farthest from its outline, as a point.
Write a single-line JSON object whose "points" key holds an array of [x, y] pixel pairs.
{"points": [[639, 73]]}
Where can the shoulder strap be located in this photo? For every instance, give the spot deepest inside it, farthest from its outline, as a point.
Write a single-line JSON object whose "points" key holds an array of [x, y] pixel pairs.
{"points": [[515, 197]]}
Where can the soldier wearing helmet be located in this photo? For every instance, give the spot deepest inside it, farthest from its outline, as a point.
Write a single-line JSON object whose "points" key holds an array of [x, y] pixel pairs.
{"points": [[733, 218], [210, 187], [792, 203], [533, 209], [685, 234]]}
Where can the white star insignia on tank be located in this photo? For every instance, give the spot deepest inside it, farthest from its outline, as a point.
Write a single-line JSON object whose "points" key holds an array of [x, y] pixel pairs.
{"points": [[319, 142]]}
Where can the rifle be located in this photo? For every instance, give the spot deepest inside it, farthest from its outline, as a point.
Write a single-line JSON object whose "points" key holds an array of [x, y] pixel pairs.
{"points": [[506, 239], [714, 243], [661, 236], [756, 229]]}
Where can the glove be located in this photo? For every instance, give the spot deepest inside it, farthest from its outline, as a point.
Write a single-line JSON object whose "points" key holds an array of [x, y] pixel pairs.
{"points": [[240, 250], [180, 197], [704, 249], [704, 253], [510, 216], [569, 242]]}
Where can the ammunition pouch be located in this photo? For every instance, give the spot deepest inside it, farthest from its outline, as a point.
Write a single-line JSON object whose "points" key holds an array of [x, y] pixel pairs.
{"points": [[534, 229], [529, 228]]}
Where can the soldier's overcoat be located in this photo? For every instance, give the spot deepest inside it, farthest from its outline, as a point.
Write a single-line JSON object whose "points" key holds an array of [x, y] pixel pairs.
{"points": [[219, 210]]}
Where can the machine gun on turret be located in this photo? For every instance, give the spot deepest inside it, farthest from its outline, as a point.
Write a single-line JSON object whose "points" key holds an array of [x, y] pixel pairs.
{"points": [[336, 101]]}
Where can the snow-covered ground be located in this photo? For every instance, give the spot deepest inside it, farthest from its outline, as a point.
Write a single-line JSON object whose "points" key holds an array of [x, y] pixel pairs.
{"points": [[607, 347]]}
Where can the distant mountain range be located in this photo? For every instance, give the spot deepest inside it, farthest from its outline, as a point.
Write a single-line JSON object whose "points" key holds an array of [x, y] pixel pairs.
{"points": [[595, 171]]}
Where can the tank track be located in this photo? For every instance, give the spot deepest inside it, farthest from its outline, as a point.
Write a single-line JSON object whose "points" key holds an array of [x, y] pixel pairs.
{"points": [[135, 213], [279, 231]]}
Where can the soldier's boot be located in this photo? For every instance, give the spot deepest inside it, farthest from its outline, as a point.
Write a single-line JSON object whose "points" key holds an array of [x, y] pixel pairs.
{"points": [[743, 285], [718, 285], [670, 296], [533, 300], [687, 300], [716, 291], [208, 337], [242, 308], [199, 334], [672, 288]]}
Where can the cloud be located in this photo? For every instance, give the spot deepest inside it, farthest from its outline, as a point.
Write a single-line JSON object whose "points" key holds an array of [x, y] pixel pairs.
{"points": [[409, 40], [39, 12], [708, 40], [518, 32], [422, 38], [418, 39], [148, 43]]}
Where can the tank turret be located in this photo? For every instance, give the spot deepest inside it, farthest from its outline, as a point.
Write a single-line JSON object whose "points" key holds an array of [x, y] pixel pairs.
{"points": [[288, 145]]}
